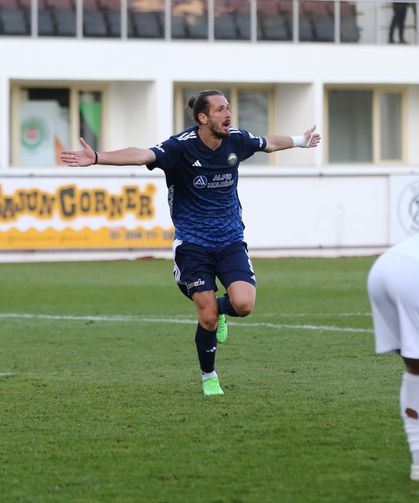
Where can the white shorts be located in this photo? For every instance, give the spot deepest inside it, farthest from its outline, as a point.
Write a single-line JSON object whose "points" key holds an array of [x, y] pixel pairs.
{"points": [[393, 289]]}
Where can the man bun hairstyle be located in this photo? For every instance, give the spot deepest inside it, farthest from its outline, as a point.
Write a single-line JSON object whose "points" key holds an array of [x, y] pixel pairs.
{"points": [[200, 104]]}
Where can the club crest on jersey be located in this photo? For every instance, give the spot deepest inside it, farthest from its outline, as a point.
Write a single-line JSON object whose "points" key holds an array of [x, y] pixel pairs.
{"points": [[232, 159], [199, 182]]}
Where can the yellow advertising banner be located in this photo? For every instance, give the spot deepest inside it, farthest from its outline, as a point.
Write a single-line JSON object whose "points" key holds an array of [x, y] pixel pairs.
{"points": [[90, 213]]}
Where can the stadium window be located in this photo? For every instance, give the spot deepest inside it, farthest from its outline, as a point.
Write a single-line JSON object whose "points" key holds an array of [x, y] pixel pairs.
{"points": [[46, 120], [56, 18], [274, 20], [146, 19], [15, 17], [251, 108], [189, 19], [316, 21], [365, 125], [232, 19], [390, 126], [95, 22]]}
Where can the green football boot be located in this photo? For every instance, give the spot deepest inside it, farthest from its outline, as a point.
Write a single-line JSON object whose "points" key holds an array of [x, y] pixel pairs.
{"points": [[222, 329], [212, 386]]}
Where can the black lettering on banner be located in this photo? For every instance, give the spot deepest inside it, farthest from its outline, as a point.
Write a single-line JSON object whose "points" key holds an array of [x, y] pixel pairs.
{"points": [[46, 208], [85, 201], [100, 201], [131, 193], [116, 207], [8, 208], [145, 208], [32, 200], [67, 205], [20, 200]]}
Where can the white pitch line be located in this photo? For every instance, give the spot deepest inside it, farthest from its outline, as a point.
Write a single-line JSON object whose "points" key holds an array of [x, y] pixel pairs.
{"points": [[184, 321], [304, 315]]}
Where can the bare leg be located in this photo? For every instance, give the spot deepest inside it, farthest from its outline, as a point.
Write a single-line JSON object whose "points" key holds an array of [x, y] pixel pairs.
{"points": [[242, 297]]}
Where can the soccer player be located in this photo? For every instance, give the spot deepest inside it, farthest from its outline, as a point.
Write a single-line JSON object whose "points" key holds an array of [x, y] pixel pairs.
{"points": [[201, 168], [393, 288]]}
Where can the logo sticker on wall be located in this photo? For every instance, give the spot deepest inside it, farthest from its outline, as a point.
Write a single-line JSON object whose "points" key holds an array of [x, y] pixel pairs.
{"points": [[409, 208], [33, 132]]}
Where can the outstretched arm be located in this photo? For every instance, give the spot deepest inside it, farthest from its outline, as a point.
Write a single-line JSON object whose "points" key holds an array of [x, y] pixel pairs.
{"points": [[125, 157], [275, 142]]}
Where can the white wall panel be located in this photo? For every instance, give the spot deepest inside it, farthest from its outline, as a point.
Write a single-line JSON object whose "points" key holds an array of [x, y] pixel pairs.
{"points": [[315, 212]]}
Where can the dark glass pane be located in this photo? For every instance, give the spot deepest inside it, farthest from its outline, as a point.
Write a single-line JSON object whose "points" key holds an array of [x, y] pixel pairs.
{"points": [[316, 21], [46, 23], [349, 29], [94, 20], [232, 19], [189, 19], [274, 19], [391, 126], [57, 18], [112, 12], [254, 116], [350, 126], [146, 18], [15, 17]]}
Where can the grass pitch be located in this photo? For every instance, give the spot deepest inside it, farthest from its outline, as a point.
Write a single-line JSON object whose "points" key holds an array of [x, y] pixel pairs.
{"points": [[101, 401]]}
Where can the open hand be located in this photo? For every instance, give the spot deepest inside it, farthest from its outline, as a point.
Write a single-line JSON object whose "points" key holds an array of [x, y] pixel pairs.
{"points": [[312, 139], [79, 158]]}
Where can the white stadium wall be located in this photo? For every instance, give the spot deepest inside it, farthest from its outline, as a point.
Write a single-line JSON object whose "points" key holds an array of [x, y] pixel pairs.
{"points": [[301, 205]]}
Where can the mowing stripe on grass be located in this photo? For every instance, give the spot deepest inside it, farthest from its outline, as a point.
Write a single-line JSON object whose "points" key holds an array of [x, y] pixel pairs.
{"points": [[182, 321]]}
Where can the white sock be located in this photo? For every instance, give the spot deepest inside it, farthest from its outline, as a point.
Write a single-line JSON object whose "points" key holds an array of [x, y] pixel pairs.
{"points": [[409, 409], [208, 375]]}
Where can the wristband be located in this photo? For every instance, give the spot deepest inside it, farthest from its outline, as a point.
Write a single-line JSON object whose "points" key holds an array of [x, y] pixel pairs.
{"points": [[95, 157], [299, 141]]}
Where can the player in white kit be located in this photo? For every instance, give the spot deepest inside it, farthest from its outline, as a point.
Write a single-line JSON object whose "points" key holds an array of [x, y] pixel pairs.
{"points": [[393, 289]]}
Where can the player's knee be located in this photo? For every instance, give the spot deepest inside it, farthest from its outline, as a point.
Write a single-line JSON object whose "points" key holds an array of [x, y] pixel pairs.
{"points": [[244, 307], [208, 320]]}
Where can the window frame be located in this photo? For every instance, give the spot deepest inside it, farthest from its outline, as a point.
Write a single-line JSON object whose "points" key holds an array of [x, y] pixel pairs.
{"points": [[377, 92], [74, 89]]}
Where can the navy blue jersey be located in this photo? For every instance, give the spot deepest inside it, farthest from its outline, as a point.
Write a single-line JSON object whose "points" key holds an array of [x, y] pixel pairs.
{"points": [[202, 185]]}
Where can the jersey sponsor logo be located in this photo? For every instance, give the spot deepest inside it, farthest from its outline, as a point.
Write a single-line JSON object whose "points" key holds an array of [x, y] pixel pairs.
{"points": [[197, 163], [221, 180], [232, 159], [200, 182]]}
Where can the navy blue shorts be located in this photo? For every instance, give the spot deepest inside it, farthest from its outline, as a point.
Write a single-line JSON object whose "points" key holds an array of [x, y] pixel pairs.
{"points": [[196, 267]]}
